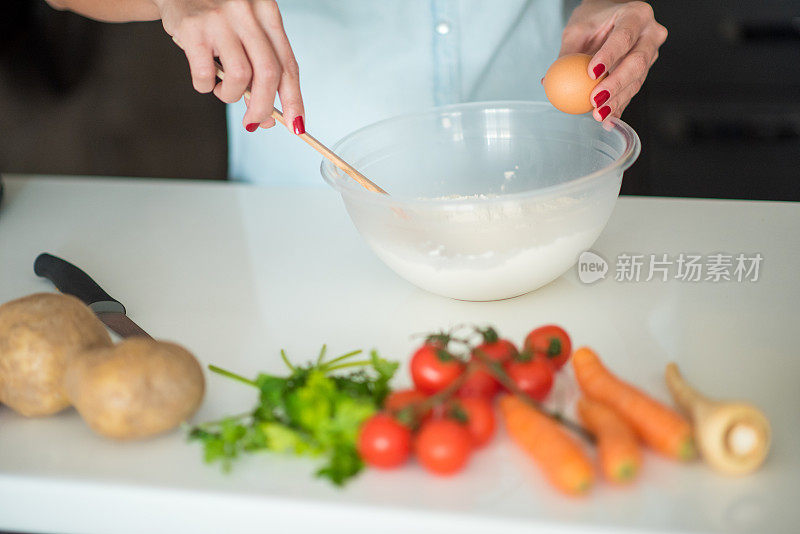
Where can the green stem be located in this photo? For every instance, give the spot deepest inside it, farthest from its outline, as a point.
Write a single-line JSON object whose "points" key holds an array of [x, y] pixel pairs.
{"points": [[321, 354], [359, 363], [286, 360], [500, 374], [342, 357], [445, 394], [229, 374], [216, 422]]}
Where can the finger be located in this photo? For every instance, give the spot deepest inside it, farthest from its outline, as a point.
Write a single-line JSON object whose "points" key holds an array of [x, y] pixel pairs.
{"points": [[267, 124], [574, 39], [633, 67], [289, 83], [615, 105], [628, 27], [265, 66], [201, 63], [235, 63]]}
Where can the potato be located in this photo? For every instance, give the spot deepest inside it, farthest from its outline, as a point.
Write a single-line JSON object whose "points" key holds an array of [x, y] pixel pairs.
{"points": [[39, 335], [136, 389]]}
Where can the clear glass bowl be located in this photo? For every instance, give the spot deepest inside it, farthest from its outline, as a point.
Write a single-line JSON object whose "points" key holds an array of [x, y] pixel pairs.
{"points": [[487, 200]]}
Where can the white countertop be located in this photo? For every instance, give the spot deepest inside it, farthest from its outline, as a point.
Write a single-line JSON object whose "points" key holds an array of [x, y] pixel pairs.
{"points": [[236, 272]]}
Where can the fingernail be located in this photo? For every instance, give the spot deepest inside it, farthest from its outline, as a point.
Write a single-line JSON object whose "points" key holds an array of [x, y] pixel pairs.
{"points": [[598, 70], [299, 125], [604, 111], [251, 127], [601, 97]]}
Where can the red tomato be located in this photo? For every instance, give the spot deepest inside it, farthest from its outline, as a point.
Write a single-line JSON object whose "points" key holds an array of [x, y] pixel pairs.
{"points": [[480, 419], [500, 351], [398, 400], [552, 342], [534, 377], [443, 446], [480, 383], [432, 369], [383, 442]]}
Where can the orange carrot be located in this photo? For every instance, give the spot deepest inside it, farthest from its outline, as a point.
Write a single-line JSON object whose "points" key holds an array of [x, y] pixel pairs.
{"points": [[617, 444], [558, 455], [658, 426]]}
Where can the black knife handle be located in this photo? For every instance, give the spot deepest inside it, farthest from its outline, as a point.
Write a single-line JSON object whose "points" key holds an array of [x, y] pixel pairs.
{"points": [[72, 281]]}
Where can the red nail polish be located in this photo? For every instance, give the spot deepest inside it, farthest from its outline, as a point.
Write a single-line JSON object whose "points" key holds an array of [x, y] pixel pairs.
{"points": [[601, 97], [604, 111], [299, 125], [251, 127], [598, 70]]}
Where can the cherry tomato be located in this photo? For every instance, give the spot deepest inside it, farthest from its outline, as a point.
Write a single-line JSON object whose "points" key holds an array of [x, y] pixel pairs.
{"points": [[500, 351], [443, 446], [552, 342], [383, 442], [480, 418], [433, 369], [534, 376], [401, 398], [397, 402], [480, 383]]}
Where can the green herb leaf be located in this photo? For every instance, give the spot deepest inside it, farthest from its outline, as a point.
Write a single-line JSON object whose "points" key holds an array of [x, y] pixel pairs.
{"points": [[313, 411], [280, 438], [344, 463]]}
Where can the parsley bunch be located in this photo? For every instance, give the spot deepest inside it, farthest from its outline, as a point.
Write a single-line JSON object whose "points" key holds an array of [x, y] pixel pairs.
{"points": [[316, 410]]}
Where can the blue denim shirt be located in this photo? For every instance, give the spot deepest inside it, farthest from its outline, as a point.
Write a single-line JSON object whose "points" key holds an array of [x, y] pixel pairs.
{"points": [[366, 60]]}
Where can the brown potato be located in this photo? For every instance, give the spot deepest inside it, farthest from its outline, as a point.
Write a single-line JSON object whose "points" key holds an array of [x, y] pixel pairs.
{"points": [[39, 335], [139, 388]]}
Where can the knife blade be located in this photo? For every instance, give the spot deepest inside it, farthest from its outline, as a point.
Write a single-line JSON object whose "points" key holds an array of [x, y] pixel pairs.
{"points": [[71, 280]]}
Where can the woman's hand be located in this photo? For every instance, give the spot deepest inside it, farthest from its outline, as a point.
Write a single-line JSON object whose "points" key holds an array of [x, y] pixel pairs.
{"points": [[248, 38], [624, 38]]}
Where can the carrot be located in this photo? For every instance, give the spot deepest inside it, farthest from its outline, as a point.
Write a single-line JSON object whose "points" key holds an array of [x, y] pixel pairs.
{"points": [[563, 461], [617, 444], [663, 429]]}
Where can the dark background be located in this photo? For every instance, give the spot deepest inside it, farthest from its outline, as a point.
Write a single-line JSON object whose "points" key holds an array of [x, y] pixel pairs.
{"points": [[719, 115]]}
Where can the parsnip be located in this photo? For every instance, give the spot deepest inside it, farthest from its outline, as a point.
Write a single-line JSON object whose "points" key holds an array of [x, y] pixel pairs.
{"points": [[733, 436]]}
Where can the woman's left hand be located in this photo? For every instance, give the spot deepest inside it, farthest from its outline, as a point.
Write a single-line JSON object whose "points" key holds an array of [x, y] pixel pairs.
{"points": [[624, 38]]}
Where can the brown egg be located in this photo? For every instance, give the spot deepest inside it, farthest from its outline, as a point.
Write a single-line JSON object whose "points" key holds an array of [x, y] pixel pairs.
{"points": [[567, 84]]}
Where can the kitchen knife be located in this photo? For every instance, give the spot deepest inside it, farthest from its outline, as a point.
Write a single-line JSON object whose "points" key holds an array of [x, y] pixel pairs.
{"points": [[72, 281]]}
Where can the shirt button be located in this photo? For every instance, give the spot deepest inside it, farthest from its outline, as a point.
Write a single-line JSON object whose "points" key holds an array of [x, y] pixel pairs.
{"points": [[443, 28]]}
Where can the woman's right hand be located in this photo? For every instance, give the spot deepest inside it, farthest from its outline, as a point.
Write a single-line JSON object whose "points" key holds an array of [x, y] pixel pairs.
{"points": [[248, 38]]}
